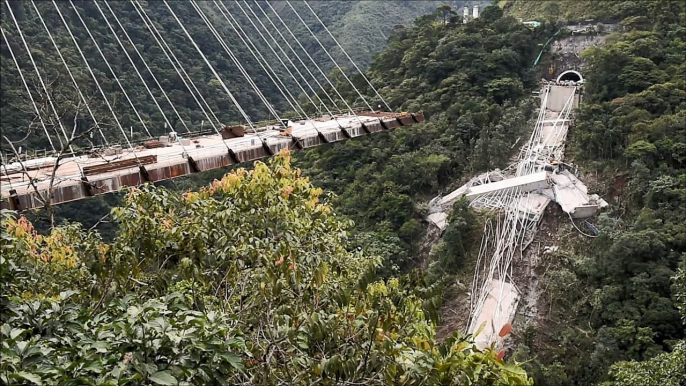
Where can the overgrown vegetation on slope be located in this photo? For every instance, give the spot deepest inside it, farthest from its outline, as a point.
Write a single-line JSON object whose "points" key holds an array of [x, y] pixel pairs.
{"points": [[19, 121], [247, 281], [361, 27], [616, 296], [473, 82], [578, 10]]}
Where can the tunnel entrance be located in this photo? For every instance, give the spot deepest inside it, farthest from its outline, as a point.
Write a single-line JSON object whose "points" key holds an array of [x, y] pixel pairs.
{"points": [[570, 75]]}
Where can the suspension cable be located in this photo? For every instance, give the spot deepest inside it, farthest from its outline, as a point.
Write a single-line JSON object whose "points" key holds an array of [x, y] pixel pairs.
{"points": [[310, 57], [235, 60], [298, 56], [261, 60], [315, 64], [71, 76], [26, 86], [116, 79], [90, 70], [162, 44], [330, 57], [178, 139], [346, 54], [7, 173], [40, 78], [175, 63], [287, 69], [281, 60]]}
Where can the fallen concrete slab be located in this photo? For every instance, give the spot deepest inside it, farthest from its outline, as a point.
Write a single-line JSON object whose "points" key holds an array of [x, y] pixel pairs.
{"points": [[498, 309], [523, 184], [572, 196], [439, 219]]}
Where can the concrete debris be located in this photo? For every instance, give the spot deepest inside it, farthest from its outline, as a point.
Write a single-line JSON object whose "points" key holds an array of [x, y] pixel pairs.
{"points": [[439, 219], [532, 206], [498, 310], [550, 249], [559, 186], [522, 192], [572, 195]]}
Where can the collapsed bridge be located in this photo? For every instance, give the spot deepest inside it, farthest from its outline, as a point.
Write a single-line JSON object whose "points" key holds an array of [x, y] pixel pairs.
{"points": [[519, 194]]}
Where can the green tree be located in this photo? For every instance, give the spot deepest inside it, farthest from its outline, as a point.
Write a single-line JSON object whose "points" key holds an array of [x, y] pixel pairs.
{"points": [[245, 281]]}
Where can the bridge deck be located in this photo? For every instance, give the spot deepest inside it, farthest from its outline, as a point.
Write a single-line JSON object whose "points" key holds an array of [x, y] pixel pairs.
{"points": [[19, 188]]}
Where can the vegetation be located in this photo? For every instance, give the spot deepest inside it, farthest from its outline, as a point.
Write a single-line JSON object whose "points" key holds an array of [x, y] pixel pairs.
{"points": [[471, 81], [350, 21], [255, 280], [614, 299], [579, 10], [362, 27], [247, 281]]}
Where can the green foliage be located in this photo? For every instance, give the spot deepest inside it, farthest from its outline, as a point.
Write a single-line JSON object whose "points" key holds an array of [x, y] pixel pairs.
{"points": [[159, 341], [470, 81], [616, 298], [666, 369], [352, 22], [577, 10], [457, 242], [246, 281]]}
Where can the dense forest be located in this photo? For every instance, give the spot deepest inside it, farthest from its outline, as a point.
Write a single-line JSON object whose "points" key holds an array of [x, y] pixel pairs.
{"points": [[317, 270], [617, 297]]}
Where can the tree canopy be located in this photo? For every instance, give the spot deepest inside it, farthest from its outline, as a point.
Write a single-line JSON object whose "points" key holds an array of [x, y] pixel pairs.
{"points": [[247, 281]]}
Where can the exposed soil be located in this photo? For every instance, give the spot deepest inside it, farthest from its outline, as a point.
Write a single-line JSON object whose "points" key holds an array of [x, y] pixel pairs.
{"points": [[433, 234]]}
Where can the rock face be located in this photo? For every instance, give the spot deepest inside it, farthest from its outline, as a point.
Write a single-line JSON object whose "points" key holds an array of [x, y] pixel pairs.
{"points": [[566, 51]]}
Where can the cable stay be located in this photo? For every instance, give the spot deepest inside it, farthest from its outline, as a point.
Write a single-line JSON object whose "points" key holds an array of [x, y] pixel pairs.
{"points": [[346, 55], [283, 54], [107, 63], [261, 60], [28, 90], [235, 60], [179, 70], [328, 96], [319, 133], [71, 76], [219, 79], [352, 113], [311, 59], [330, 57], [97, 84], [133, 64], [47, 93], [176, 64], [141, 76]]}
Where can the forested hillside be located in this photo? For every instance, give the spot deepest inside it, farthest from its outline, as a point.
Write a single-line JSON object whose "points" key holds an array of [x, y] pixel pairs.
{"points": [[248, 281], [320, 274], [18, 114], [473, 82], [620, 297], [362, 27], [578, 10]]}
